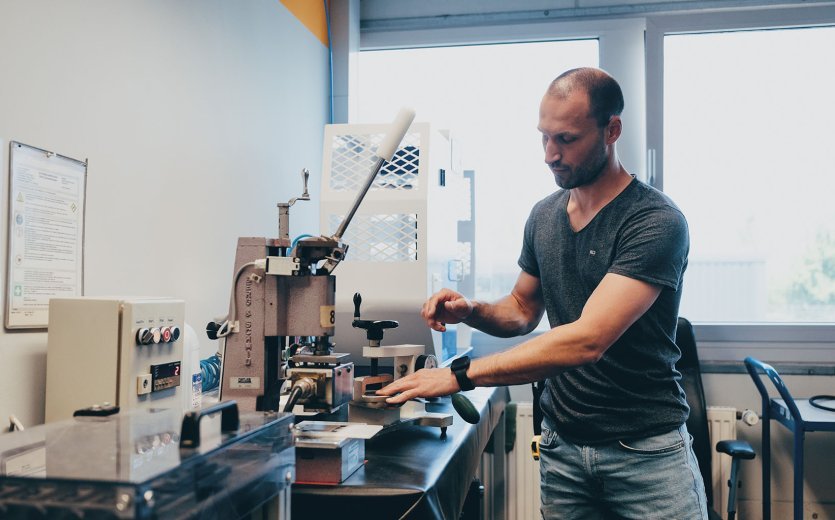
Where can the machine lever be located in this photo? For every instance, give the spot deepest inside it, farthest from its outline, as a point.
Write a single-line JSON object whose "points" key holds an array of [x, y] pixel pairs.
{"points": [[306, 194], [385, 153], [357, 303]]}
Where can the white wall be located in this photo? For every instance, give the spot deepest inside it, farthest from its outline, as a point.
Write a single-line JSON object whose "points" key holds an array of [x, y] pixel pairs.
{"points": [[196, 117]]}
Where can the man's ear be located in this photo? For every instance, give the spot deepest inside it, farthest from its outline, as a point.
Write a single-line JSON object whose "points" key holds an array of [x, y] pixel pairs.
{"points": [[613, 129]]}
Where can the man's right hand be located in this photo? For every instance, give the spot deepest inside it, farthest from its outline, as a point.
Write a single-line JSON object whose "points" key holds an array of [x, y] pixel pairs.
{"points": [[446, 306]]}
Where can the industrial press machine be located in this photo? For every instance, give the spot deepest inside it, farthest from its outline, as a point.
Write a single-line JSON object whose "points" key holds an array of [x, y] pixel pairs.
{"points": [[279, 333]]}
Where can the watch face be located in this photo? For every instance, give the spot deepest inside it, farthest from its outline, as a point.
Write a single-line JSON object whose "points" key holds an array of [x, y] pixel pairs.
{"points": [[462, 362]]}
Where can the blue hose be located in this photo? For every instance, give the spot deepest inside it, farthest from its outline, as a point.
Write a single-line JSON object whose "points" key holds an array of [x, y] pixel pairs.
{"points": [[210, 372], [296, 240]]}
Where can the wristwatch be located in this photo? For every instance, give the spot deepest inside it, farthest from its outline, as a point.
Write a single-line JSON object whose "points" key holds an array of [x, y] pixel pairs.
{"points": [[459, 368]]}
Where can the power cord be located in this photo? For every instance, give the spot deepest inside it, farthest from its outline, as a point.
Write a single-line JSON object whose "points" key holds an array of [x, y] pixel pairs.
{"points": [[815, 398], [295, 394]]}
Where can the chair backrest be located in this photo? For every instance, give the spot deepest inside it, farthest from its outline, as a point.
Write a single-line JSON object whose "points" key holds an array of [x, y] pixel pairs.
{"points": [[691, 381]]}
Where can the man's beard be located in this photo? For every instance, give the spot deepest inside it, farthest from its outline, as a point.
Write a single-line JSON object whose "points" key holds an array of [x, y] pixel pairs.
{"points": [[584, 174]]}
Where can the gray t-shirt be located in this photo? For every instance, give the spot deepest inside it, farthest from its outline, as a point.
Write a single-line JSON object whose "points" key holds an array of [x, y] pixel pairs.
{"points": [[633, 390]]}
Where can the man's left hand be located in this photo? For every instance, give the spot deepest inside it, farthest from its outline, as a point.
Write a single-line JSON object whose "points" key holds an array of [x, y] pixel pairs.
{"points": [[427, 382]]}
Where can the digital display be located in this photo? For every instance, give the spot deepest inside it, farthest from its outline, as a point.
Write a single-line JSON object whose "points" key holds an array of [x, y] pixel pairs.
{"points": [[165, 376]]}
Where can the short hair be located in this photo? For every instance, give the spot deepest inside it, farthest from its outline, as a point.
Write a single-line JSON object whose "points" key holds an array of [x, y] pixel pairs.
{"points": [[605, 95]]}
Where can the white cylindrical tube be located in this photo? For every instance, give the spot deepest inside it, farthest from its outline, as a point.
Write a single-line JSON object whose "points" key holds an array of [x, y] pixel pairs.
{"points": [[399, 127], [385, 152]]}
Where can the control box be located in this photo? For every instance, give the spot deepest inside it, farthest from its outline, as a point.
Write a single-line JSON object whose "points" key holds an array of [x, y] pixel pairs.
{"points": [[125, 352]]}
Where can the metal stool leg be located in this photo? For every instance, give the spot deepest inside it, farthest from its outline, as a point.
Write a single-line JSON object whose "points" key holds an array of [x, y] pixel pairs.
{"points": [[732, 489], [799, 438]]}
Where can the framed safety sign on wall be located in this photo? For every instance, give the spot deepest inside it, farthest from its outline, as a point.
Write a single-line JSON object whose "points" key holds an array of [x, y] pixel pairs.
{"points": [[45, 255]]}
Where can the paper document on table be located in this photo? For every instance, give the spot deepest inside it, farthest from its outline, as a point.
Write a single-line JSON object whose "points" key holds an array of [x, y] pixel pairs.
{"points": [[336, 430]]}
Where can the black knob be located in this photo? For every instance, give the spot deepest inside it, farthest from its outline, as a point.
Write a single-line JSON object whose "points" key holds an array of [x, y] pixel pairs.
{"points": [[375, 328], [211, 329]]}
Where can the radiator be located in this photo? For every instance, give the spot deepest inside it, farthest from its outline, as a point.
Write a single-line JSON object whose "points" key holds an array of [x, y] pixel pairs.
{"points": [[722, 424], [522, 470]]}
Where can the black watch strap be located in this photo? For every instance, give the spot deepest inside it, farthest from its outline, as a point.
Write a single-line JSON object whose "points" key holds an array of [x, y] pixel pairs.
{"points": [[459, 368]]}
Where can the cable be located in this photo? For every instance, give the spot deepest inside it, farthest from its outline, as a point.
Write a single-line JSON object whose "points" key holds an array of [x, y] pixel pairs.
{"points": [[210, 372], [295, 394], [229, 326], [815, 398], [303, 388]]}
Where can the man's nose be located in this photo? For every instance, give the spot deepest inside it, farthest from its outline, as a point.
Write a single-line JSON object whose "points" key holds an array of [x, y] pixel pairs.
{"points": [[552, 152]]}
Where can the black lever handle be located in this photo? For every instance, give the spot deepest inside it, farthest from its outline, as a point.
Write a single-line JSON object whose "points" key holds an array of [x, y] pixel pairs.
{"points": [[465, 408], [190, 431], [357, 303]]}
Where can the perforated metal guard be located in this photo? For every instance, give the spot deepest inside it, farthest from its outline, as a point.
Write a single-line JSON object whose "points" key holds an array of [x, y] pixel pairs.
{"points": [[352, 157], [380, 238]]}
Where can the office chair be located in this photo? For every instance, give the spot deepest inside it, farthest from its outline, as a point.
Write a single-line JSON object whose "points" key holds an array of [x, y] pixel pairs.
{"points": [[697, 424]]}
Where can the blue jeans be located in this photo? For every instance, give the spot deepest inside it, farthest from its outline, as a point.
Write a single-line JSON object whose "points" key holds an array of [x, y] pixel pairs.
{"points": [[654, 477]]}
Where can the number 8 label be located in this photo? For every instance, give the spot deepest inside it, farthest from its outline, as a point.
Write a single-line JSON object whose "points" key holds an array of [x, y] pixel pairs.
{"points": [[327, 316]]}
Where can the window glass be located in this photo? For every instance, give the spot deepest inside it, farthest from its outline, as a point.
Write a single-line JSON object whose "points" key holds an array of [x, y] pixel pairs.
{"points": [[488, 97], [747, 137]]}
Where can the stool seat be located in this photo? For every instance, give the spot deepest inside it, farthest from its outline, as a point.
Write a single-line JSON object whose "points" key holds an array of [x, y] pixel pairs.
{"points": [[736, 448]]}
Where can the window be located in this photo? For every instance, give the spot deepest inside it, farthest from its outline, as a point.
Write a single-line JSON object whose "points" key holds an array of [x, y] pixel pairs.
{"points": [[747, 158], [488, 97], [725, 111]]}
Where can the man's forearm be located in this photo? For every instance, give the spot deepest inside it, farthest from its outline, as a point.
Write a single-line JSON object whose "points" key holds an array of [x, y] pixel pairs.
{"points": [[536, 359], [503, 318]]}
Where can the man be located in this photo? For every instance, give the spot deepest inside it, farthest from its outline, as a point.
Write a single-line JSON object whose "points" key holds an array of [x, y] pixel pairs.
{"points": [[604, 257]]}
